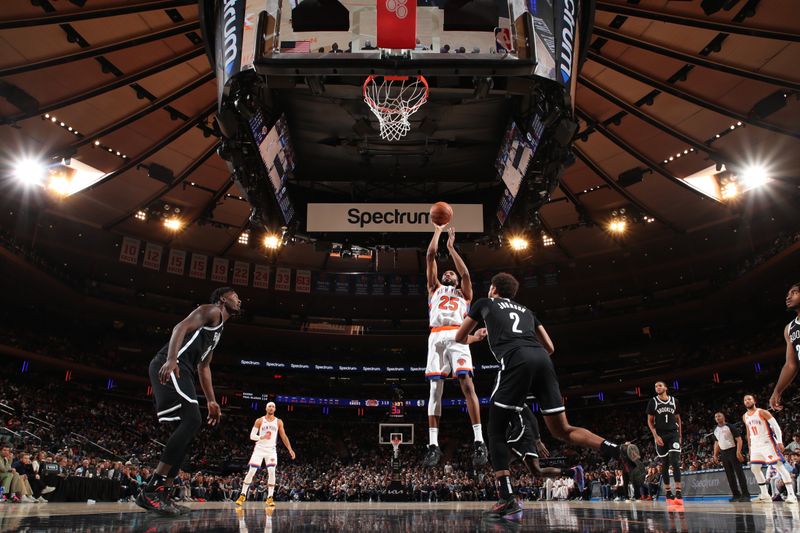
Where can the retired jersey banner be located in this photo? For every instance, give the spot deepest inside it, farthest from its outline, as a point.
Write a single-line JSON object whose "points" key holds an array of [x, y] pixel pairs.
{"points": [[302, 282], [397, 24], [177, 262], [130, 250], [389, 218], [261, 277], [198, 266], [219, 270], [152, 256], [241, 273], [283, 279]]}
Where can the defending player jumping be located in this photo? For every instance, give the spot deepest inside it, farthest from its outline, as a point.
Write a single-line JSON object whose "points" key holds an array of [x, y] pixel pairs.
{"points": [[792, 336], [765, 441], [517, 340], [172, 374], [664, 422], [265, 434], [448, 304]]}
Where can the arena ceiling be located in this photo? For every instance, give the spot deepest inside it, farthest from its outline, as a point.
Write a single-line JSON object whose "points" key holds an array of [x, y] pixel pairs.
{"points": [[667, 90]]}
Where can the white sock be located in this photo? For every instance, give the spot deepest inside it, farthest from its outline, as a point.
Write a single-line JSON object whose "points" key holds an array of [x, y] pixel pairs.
{"points": [[476, 429], [763, 488], [270, 491], [245, 486], [433, 434]]}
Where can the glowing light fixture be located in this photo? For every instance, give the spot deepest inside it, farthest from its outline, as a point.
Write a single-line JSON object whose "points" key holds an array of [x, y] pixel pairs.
{"points": [[754, 176], [272, 242], [173, 223], [518, 244], [244, 238], [547, 240], [30, 172]]}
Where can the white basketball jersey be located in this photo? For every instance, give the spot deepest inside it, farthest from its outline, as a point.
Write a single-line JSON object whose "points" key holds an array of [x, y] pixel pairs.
{"points": [[759, 430], [448, 307], [269, 430]]}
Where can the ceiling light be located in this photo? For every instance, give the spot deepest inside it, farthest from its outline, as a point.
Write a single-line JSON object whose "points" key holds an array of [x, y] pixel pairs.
{"points": [[30, 171], [244, 238], [272, 242], [173, 223], [518, 244], [730, 190], [617, 225], [141, 215], [547, 240], [754, 176]]}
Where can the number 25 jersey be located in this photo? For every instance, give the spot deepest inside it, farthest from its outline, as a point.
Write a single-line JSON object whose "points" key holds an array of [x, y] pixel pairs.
{"points": [[448, 307]]}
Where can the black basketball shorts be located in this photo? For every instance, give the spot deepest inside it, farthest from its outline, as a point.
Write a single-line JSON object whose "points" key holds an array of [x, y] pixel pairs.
{"points": [[671, 443], [520, 437], [178, 391], [527, 371]]}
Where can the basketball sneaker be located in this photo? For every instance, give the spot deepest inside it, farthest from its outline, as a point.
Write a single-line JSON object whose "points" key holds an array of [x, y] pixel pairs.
{"points": [[791, 498], [508, 509], [182, 509], [433, 456], [481, 455], [577, 475], [270, 502], [156, 500], [763, 498], [241, 499]]}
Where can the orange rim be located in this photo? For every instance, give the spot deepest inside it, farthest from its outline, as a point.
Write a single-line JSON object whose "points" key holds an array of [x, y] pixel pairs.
{"points": [[373, 105]]}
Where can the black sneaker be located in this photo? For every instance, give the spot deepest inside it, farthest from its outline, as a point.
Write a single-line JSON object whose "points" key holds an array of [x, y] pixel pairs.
{"points": [[182, 509], [508, 509], [481, 455], [669, 496], [433, 456], [157, 500], [743, 498]]}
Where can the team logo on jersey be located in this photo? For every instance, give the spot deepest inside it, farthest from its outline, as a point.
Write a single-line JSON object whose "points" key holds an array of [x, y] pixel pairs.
{"points": [[461, 361], [675, 445]]}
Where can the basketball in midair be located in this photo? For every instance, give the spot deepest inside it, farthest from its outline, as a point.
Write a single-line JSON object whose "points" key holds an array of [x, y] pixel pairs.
{"points": [[441, 213]]}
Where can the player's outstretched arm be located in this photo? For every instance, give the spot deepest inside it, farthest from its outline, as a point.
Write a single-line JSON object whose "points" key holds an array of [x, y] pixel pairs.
{"points": [[204, 375], [545, 339], [430, 259], [788, 373], [461, 266], [285, 439], [463, 333]]}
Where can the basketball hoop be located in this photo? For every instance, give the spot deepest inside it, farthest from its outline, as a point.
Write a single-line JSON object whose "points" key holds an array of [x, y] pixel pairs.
{"points": [[396, 441], [393, 99]]}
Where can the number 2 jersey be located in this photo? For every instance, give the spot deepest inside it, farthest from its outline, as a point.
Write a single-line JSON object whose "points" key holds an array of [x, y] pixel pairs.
{"points": [[448, 307], [510, 325], [269, 430]]}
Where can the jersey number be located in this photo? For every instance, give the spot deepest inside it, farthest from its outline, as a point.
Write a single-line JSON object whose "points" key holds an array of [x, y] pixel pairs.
{"points": [[754, 430], [268, 435], [448, 303], [666, 419], [515, 318]]}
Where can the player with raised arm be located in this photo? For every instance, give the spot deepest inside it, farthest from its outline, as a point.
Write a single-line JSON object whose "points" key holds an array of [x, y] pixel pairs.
{"points": [[518, 340], [265, 433], [448, 305], [765, 441], [791, 335], [664, 422], [172, 374]]}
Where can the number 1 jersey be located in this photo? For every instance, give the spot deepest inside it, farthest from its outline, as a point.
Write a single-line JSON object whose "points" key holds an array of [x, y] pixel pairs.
{"points": [[510, 325]]}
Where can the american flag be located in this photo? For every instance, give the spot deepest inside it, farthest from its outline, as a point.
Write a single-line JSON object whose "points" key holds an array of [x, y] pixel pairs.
{"points": [[295, 47]]}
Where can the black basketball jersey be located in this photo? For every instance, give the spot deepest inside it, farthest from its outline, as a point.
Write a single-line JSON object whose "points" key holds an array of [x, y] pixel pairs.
{"points": [[509, 325], [664, 413], [794, 336], [196, 346]]}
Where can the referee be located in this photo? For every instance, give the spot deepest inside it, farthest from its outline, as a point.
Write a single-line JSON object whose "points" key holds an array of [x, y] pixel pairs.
{"points": [[728, 444]]}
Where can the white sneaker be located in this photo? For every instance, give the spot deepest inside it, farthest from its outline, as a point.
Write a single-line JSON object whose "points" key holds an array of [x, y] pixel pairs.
{"points": [[791, 498], [48, 489], [763, 499], [42, 500], [27, 499]]}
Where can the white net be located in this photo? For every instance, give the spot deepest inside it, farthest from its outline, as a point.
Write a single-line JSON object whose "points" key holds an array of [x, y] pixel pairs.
{"points": [[392, 99]]}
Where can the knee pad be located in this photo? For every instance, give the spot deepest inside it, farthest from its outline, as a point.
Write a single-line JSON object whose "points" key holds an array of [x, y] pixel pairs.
{"points": [[271, 475], [435, 399]]}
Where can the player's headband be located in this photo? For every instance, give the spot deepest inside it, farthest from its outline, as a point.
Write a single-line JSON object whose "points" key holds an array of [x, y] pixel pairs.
{"points": [[271, 403]]}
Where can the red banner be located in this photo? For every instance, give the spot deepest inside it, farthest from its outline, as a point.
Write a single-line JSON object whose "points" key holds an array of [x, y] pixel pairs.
{"points": [[152, 256], [176, 263], [283, 279], [219, 270], [397, 24], [130, 250], [261, 277], [197, 268], [241, 273], [303, 281]]}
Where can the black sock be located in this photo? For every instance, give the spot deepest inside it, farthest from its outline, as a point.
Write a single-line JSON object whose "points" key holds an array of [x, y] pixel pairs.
{"points": [[678, 494], [156, 480], [609, 450], [504, 489]]}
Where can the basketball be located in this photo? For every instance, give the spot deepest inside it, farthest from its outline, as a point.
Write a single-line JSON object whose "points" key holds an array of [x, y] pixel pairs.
{"points": [[441, 213]]}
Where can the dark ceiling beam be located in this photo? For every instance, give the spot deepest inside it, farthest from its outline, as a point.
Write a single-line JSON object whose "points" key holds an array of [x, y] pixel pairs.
{"points": [[106, 87], [695, 60], [183, 176], [638, 113], [88, 14], [683, 95], [166, 141], [101, 50], [209, 206], [704, 23], [157, 104], [641, 206], [235, 238], [636, 154], [583, 212]]}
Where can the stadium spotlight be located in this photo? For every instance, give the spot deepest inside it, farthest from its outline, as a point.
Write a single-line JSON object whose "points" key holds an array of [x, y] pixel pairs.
{"points": [[30, 172], [518, 243], [141, 215], [272, 242], [754, 176], [173, 223], [730, 190], [617, 226], [244, 238], [547, 240]]}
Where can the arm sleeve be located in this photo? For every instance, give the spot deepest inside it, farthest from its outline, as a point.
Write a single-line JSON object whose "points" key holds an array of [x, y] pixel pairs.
{"points": [[254, 434], [476, 309], [776, 429]]}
